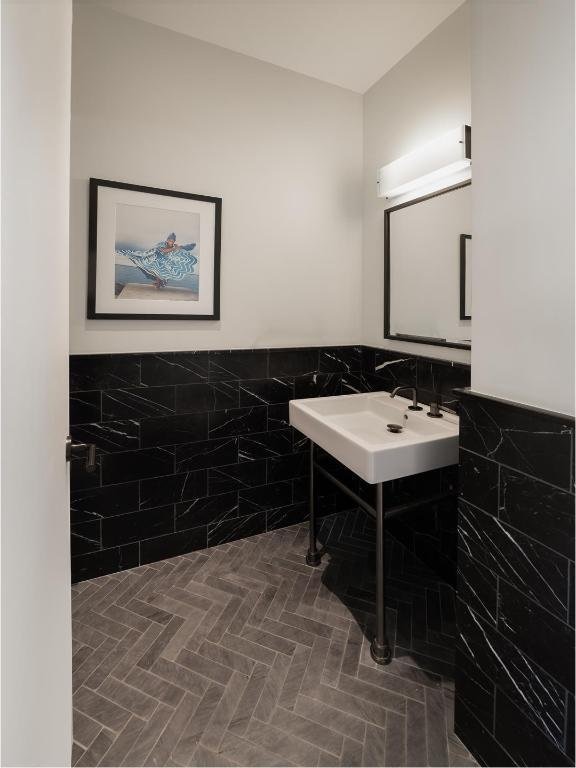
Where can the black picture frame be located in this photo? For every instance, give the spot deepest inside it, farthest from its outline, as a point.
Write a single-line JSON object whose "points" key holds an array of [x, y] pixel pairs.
{"points": [[463, 315], [92, 314], [387, 256]]}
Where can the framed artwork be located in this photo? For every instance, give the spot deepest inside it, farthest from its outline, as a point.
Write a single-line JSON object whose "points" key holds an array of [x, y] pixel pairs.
{"points": [[154, 254], [465, 277]]}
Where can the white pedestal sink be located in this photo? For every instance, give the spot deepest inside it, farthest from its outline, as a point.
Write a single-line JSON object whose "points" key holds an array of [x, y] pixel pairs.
{"points": [[354, 429], [379, 438]]}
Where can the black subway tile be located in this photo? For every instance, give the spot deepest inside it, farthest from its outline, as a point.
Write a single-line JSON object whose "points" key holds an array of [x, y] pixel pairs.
{"points": [[535, 570], [172, 545], [318, 385], [278, 416], [236, 476], [513, 671], [287, 467], [293, 362], [527, 744], [238, 528], [174, 368], [572, 596], [537, 509], [477, 586], [283, 516], [90, 372], [521, 438], [358, 383], [84, 407], [340, 359], [478, 739], [172, 430], [479, 481], [440, 378], [137, 465], [569, 741], [398, 370], [136, 526], [474, 689], [110, 500], [540, 635], [194, 398], [80, 479], [450, 478], [368, 359], [237, 421], [238, 364], [207, 453], [264, 498], [299, 441], [110, 436], [103, 562], [172, 489], [265, 445], [266, 391], [197, 398], [85, 537], [209, 509], [225, 395], [137, 403], [301, 489]]}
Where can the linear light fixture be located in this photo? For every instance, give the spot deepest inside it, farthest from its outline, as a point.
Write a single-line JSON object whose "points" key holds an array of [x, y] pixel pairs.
{"points": [[427, 166]]}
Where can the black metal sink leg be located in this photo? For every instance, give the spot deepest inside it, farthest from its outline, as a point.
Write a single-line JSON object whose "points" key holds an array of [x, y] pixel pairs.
{"points": [[380, 649], [312, 556]]}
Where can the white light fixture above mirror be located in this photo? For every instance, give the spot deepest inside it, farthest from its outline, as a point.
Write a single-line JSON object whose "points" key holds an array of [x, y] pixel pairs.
{"points": [[435, 165]]}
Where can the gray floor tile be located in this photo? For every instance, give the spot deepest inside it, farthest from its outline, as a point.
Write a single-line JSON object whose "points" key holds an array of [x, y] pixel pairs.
{"points": [[243, 655], [318, 735]]}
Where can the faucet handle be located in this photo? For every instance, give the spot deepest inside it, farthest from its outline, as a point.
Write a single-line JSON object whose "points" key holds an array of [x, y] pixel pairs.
{"points": [[435, 406]]}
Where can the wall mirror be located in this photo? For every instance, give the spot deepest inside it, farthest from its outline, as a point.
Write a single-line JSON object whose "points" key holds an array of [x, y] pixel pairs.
{"points": [[427, 269]]}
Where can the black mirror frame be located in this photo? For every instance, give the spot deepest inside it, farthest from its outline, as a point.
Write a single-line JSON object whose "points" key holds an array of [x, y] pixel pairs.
{"points": [[405, 336], [463, 315]]}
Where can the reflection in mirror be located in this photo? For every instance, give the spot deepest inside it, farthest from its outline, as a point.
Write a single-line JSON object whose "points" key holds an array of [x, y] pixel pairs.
{"points": [[427, 269], [465, 277]]}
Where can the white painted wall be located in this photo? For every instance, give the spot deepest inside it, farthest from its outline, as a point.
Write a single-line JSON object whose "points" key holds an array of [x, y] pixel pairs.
{"points": [[36, 617], [523, 201], [284, 151], [425, 95]]}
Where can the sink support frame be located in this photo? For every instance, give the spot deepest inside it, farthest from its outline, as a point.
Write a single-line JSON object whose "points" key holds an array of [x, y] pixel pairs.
{"points": [[379, 648], [312, 556]]}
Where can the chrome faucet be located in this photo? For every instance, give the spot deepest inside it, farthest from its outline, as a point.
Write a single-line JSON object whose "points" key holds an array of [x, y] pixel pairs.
{"points": [[414, 406]]}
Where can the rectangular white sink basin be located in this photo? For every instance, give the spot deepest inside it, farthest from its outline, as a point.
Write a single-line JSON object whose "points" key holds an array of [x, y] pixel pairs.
{"points": [[354, 429]]}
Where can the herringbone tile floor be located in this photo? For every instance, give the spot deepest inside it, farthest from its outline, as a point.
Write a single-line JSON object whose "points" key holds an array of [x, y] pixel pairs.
{"points": [[243, 655]]}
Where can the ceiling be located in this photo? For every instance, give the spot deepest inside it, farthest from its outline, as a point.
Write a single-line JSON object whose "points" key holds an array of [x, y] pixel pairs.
{"points": [[350, 43]]}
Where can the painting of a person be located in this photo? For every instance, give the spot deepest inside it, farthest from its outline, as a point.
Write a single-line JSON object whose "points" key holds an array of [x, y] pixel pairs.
{"points": [[167, 260]]}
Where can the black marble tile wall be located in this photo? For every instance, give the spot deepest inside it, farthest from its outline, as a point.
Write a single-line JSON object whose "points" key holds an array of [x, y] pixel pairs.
{"points": [[515, 668], [195, 449], [435, 379]]}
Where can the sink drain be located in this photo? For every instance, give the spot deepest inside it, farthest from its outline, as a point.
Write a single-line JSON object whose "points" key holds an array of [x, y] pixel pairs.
{"points": [[394, 427]]}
